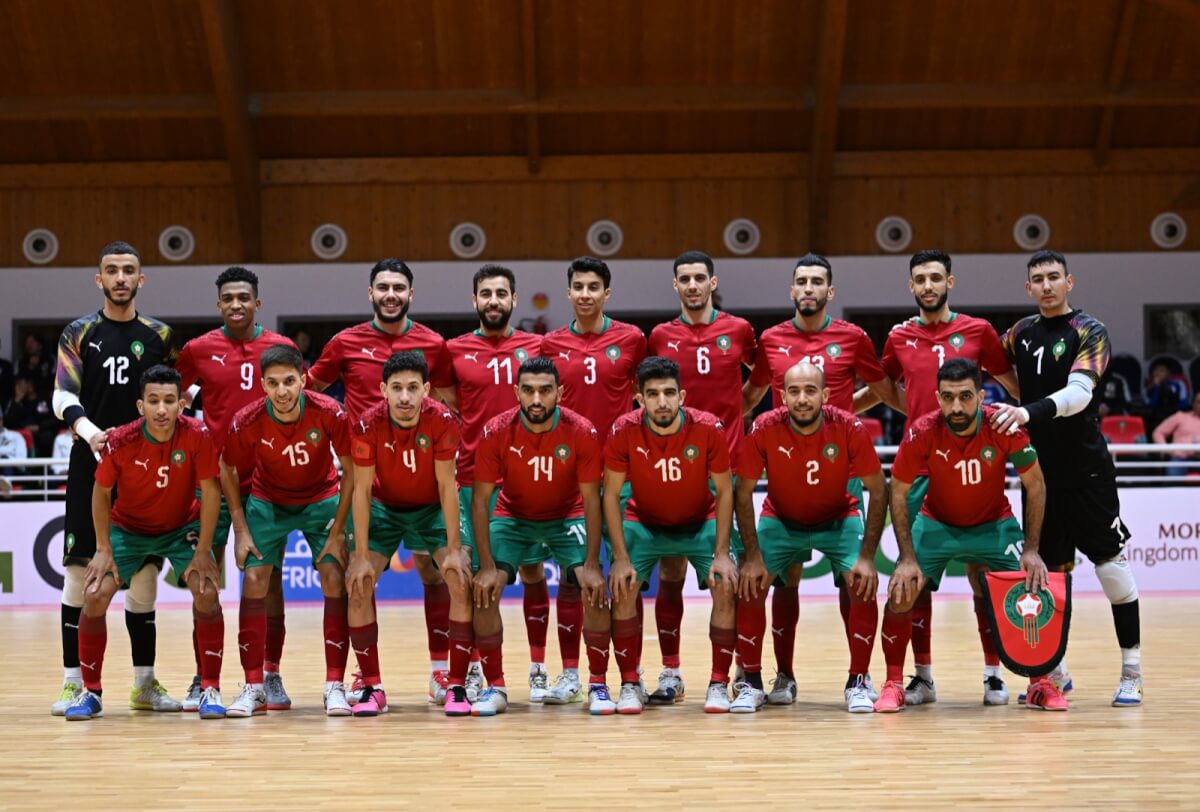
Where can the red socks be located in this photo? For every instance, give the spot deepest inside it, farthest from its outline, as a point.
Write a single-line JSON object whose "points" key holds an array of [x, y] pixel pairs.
{"points": [[668, 616], [641, 618], [252, 638], [537, 619], [897, 629], [365, 640], [570, 623], [437, 620], [922, 628], [276, 631], [337, 639], [990, 657], [724, 646], [597, 654], [93, 639], [462, 638], [210, 634], [785, 614], [864, 619], [491, 658], [625, 634], [751, 627]]}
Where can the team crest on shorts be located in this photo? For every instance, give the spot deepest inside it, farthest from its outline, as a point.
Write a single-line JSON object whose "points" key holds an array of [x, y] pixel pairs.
{"points": [[723, 343], [691, 453], [313, 436], [178, 456], [956, 341], [833, 350], [830, 452], [1058, 349], [521, 356], [422, 442], [138, 349], [612, 352], [70, 541], [988, 454], [1028, 611], [562, 452]]}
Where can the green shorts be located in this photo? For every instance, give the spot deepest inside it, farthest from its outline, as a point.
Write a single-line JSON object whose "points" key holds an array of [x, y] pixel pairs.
{"points": [[422, 530], [224, 523], [464, 513], [646, 545], [916, 498], [131, 550], [517, 542], [270, 525], [996, 545], [785, 543]]}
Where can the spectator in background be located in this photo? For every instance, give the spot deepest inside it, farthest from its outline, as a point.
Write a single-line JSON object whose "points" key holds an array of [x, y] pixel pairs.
{"points": [[36, 365], [1165, 394], [62, 451], [303, 341], [1114, 395], [1181, 428], [12, 447], [32, 410], [7, 383]]}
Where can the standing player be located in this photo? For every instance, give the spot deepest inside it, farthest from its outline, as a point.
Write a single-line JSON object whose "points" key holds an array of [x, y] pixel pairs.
{"points": [[711, 347], [914, 352], [356, 355], [404, 450], [808, 450], [289, 439], [842, 351], [596, 357], [1061, 354], [669, 453], [484, 366], [549, 461], [101, 358], [159, 462], [223, 363], [966, 516]]}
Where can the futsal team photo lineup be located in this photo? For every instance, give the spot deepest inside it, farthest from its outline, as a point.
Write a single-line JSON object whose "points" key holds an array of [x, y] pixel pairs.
{"points": [[598, 459]]}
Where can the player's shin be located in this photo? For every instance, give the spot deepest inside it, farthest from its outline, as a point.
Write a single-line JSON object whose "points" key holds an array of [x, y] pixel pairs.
{"points": [[785, 614], [252, 636], [864, 620], [93, 639], [751, 628], [668, 617], [569, 606]]}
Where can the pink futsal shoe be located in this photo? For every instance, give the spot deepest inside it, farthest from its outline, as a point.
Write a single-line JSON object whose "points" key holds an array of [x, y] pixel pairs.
{"points": [[1043, 694], [372, 703], [456, 701], [891, 698]]}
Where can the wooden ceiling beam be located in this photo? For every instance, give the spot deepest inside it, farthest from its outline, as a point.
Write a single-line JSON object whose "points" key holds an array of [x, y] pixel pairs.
{"points": [[533, 148], [229, 86], [831, 39], [1117, 61]]}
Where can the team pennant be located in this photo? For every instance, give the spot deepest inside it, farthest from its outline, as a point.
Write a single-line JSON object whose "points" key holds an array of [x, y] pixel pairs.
{"points": [[1030, 628]]}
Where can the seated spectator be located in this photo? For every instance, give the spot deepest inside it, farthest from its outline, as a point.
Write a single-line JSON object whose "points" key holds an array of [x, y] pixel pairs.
{"points": [[1181, 428], [1114, 395], [303, 341], [36, 365], [62, 451], [7, 382], [32, 410], [1165, 394], [12, 447]]}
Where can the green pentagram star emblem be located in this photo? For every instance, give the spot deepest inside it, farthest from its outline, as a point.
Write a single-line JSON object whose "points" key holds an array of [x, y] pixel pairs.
{"points": [[723, 343], [1028, 611], [691, 453]]}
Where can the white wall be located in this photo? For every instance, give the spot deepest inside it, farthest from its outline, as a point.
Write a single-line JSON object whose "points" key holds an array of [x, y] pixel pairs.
{"points": [[1113, 287]]}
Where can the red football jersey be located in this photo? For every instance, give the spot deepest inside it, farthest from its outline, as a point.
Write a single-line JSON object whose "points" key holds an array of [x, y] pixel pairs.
{"points": [[293, 462], [484, 370], [710, 358], [915, 351], [966, 474], [669, 474], [156, 482], [598, 371], [357, 355], [840, 349], [404, 458], [807, 474], [541, 472]]}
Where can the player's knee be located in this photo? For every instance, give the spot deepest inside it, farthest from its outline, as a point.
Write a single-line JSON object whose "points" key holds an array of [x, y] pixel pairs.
{"points": [[723, 596], [333, 580], [672, 569], [256, 581], [532, 573], [96, 603], [626, 606], [143, 591], [426, 571], [207, 601], [458, 588], [359, 603], [72, 591], [1116, 578]]}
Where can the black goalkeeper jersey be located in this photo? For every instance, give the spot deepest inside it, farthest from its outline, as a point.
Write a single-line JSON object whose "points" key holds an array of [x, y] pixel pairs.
{"points": [[1045, 351]]}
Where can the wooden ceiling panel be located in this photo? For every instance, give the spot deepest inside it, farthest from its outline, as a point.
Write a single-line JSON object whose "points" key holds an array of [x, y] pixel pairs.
{"points": [[117, 47], [361, 137], [674, 132], [940, 41], [119, 140], [1157, 127], [380, 44], [1166, 44], [966, 129]]}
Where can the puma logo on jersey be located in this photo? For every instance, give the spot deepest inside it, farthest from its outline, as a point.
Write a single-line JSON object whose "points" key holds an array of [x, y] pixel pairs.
{"points": [[784, 351], [144, 463], [643, 452], [565, 355], [943, 454], [220, 359], [368, 351], [1025, 342], [673, 345], [749, 640], [866, 639], [471, 356], [95, 345], [335, 644], [362, 425], [787, 452], [912, 342], [518, 451], [912, 435], [390, 446], [268, 443], [887, 637], [220, 655]]}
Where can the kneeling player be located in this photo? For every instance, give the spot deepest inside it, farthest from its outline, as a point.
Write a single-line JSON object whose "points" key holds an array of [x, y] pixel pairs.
{"points": [[548, 458], [808, 451], [156, 465], [966, 517], [669, 452], [404, 451], [289, 439]]}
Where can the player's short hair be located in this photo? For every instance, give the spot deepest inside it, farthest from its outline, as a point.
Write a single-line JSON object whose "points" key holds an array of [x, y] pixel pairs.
{"points": [[929, 255], [119, 247], [693, 258], [655, 368], [538, 365], [811, 259], [163, 374], [590, 265], [393, 265], [280, 355], [960, 369], [236, 273], [1046, 257], [406, 361], [490, 270]]}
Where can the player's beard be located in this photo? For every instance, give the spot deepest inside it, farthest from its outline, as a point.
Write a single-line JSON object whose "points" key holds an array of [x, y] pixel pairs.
{"points": [[295, 405], [133, 291], [665, 422], [936, 306], [704, 305], [959, 422], [539, 419], [383, 319], [494, 322], [803, 424], [810, 310]]}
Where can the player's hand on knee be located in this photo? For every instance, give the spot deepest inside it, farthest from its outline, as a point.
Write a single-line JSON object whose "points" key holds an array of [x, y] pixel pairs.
{"points": [[455, 562], [722, 575], [1036, 574], [101, 565], [243, 547], [335, 545], [591, 582], [360, 577], [905, 584], [489, 583], [863, 579], [203, 569], [621, 578], [753, 578]]}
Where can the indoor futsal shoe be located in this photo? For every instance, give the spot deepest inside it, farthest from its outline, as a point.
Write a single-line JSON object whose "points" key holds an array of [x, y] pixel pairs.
{"points": [[210, 705], [1062, 681], [438, 682], [456, 701], [491, 702], [567, 689], [600, 701], [372, 703], [717, 700], [191, 702], [892, 698], [336, 703], [920, 691], [995, 692], [1045, 695], [86, 706], [1129, 691], [70, 692], [783, 690], [152, 696], [277, 698], [749, 699], [629, 701], [252, 701], [670, 688], [858, 695], [475, 681], [539, 683]]}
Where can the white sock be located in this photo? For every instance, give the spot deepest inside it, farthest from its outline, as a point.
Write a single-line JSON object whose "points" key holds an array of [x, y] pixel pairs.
{"points": [[925, 672], [329, 684], [991, 671], [269, 673], [74, 675], [143, 674], [1131, 658], [574, 671], [439, 665]]}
